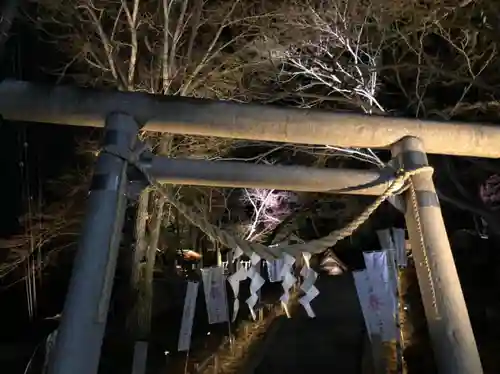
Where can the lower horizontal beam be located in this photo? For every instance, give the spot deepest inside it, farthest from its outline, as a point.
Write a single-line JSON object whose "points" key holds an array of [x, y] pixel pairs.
{"points": [[247, 175]]}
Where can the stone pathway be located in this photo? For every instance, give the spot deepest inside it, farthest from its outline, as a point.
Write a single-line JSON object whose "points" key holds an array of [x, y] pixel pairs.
{"points": [[331, 343]]}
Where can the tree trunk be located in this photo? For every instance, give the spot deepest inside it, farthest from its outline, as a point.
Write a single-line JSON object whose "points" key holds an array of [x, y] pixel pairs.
{"points": [[147, 238]]}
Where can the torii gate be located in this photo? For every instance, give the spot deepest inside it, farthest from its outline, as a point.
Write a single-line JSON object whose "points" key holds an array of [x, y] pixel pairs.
{"points": [[123, 114]]}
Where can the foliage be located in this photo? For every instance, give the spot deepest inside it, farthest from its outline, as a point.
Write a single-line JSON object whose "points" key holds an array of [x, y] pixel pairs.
{"points": [[424, 59]]}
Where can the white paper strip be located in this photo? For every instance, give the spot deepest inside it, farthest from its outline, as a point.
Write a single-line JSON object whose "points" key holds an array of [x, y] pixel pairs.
{"points": [[256, 282], [382, 299], [309, 277], [288, 281], [387, 244], [234, 281], [238, 252], [306, 301], [274, 270], [398, 238], [385, 239], [214, 286], [188, 316], [365, 297]]}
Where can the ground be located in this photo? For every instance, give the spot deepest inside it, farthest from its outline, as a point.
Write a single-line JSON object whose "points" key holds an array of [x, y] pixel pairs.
{"points": [[333, 340]]}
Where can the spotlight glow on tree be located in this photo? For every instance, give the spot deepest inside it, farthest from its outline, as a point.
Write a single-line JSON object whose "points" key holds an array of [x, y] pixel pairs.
{"points": [[270, 207]]}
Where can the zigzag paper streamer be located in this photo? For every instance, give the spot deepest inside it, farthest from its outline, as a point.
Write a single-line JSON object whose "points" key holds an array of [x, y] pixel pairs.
{"points": [[309, 277], [234, 281], [256, 282], [288, 281], [237, 253]]}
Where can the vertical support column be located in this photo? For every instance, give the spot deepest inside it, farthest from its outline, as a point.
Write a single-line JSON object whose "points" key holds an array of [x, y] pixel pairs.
{"points": [[79, 340], [446, 313]]}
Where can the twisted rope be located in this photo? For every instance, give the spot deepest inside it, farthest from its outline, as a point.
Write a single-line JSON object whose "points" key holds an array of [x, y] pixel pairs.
{"points": [[397, 185], [423, 247]]}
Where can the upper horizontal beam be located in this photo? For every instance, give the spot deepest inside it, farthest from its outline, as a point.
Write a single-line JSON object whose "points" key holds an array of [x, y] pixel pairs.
{"points": [[24, 101]]}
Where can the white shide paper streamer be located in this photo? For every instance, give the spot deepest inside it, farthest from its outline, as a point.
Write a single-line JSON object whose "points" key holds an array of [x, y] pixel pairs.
{"points": [[309, 277], [256, 282], [214, 286], [187, 317], [278, 270], [382, 299], [274, 270], [365, 296], [234, 281], [288, 281], [385, 239], [387, 244]]}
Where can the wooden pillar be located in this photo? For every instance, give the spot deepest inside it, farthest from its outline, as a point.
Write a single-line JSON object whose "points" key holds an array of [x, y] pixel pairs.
{"points": [[446, 313]]}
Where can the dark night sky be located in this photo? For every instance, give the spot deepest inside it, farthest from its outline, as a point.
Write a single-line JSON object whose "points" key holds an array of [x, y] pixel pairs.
{"points": [[50, 148], [49, 152], [10, 186]]}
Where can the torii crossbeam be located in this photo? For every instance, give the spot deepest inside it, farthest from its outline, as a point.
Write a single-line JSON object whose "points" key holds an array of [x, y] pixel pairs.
{"points": [[124, 114]]}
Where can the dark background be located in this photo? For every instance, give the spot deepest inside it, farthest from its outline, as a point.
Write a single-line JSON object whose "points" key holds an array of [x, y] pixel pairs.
{"points": [[31, 156]]}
